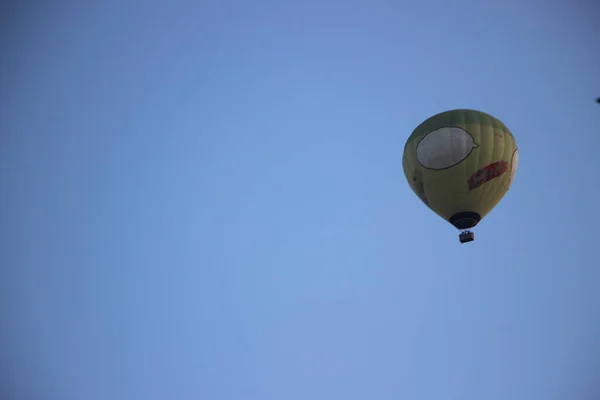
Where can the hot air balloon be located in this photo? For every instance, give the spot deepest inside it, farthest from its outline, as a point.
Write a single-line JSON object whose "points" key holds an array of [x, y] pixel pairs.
{"points": [[461, 163]]}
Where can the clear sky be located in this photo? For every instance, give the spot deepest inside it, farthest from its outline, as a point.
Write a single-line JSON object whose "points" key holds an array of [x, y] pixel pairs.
{"points": [[205, 201]]}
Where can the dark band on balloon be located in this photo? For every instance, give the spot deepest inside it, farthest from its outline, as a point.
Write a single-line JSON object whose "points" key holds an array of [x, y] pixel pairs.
{"points": [[487, 173]]}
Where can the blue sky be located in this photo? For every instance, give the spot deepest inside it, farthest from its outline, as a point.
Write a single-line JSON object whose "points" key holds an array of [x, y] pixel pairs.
{"points": [[205, 200]]}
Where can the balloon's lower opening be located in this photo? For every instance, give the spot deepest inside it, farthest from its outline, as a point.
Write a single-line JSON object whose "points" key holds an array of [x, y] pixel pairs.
{"points": [[465, 219]]}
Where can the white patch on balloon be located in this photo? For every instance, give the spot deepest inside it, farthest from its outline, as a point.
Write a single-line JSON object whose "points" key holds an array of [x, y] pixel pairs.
{"points": [[445, 147]]}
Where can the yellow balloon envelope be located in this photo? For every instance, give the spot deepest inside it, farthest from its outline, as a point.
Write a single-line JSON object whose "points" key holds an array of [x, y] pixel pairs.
{"points": [[461, 163]]}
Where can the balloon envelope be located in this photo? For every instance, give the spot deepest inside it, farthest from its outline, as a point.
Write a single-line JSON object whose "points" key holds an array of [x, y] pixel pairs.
{"points": [[461, 163]]}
